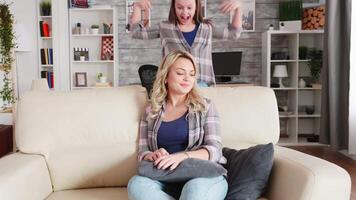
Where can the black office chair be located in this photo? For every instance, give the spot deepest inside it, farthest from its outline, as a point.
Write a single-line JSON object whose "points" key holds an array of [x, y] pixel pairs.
{"points": [[147, 75]]}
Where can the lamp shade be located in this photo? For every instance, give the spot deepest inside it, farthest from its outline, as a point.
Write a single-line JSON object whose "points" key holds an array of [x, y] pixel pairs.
{"points": [[280, 71], [22, 38], [40, 85]]}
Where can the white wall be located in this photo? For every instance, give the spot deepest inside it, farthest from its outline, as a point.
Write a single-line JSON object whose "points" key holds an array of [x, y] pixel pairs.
{"points": [[60, 32], [25, 13], [352, 98]]}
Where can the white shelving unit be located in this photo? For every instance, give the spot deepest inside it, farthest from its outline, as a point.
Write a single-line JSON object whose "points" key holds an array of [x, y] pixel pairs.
{"points": [[295, 124], [93, 41], [45, 43]]}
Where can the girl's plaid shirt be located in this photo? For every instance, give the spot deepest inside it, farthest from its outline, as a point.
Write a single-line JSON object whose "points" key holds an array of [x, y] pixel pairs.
{"points": [[173, 39]]}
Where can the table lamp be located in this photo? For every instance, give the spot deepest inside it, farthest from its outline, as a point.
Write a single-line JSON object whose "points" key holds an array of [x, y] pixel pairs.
{"points": [[280, 71], [39, 85]]}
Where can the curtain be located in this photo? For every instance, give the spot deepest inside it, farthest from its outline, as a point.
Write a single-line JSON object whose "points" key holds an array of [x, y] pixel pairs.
{"points": [[334, 128]]}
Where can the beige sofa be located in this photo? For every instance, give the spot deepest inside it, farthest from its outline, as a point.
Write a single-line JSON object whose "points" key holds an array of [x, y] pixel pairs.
{"points": [[82, 145]]}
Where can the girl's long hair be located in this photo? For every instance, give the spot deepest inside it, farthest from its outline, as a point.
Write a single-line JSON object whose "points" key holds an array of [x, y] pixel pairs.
{"points": [[198, 16], [194, 100]]}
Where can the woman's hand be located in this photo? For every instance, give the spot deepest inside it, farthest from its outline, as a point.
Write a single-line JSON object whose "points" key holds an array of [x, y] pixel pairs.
{"points": [[228, 5], [155, 155], [171, 161]]}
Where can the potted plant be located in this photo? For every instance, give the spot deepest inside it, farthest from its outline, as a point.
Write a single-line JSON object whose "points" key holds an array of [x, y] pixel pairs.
{"points": [[6, 45], [290, 14], [94, 29], [315, 64], [82, 56], [45, 8], [101, 78], [303, 52]]}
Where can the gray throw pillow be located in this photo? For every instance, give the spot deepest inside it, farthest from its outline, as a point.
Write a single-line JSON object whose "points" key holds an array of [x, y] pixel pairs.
{"points": [[188, 169], [248, 171]]}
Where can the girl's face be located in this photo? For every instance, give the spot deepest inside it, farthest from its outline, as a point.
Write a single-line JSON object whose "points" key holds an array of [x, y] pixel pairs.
{"points": [[185, 11], [181, 77]]}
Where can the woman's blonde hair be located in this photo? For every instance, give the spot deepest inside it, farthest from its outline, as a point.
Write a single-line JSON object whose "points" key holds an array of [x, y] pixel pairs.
{"points": [[194, 100]]}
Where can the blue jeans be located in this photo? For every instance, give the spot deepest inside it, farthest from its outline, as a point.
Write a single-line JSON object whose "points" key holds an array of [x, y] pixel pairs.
{"points": [[143, 188]]}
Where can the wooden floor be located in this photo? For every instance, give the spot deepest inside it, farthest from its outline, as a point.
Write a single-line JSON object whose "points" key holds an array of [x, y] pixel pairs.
{"points": [[335, 157]]}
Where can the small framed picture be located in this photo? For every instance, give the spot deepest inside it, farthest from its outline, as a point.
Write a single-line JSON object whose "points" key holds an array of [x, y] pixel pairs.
{"points": [[81, 79], [247, 15]]}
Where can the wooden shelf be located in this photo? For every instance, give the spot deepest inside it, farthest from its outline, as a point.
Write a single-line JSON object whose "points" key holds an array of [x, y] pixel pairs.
{"points": [[284, 61], [284, 32], [305, 115], [93, 43], [98, 8], [292, 96], [285, 88], [94, 61], [91, 35]]}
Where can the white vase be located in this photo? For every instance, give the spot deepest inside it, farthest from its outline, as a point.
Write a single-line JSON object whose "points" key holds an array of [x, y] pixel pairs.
{"points": [[103, 79], [290, 25], [94, 31], [301, 83]]}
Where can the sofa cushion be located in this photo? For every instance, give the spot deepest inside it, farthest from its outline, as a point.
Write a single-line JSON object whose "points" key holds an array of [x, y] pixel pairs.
{"points": [[248, 171], [188, 169], [88, 137]]}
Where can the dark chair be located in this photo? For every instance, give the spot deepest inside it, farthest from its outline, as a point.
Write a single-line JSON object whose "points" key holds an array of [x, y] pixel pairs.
{"points": [[147, 75]]}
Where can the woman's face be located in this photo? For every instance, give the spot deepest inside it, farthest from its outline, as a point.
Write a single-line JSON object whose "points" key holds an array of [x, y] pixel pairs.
{"points": [[185, 10], [181, 77]]}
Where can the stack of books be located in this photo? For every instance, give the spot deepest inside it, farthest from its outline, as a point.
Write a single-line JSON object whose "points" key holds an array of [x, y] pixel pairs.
{"points": [[47, 56]]}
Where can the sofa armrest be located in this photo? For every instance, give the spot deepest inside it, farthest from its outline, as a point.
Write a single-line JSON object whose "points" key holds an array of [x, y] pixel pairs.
{"points": [[296, 175], [24, 176]]}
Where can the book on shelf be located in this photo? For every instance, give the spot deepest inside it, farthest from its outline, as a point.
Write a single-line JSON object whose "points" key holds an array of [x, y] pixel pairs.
{"points": [[44, 29], [50, 50], [41, 28], [49, 76], [46, 56]]}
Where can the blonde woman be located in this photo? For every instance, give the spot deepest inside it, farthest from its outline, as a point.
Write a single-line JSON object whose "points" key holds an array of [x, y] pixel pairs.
{"points": [[178, 124]]}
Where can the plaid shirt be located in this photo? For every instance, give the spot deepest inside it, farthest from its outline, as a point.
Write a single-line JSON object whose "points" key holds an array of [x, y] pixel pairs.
{"points": [[204, 132], [173, 39]]}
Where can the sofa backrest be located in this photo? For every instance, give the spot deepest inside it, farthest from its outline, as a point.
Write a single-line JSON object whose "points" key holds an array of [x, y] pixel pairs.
{"points": [[89, 137]]}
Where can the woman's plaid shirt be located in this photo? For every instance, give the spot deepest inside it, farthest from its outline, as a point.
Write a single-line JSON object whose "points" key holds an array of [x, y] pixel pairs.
{"points": [[173, 39], [204, 132]]}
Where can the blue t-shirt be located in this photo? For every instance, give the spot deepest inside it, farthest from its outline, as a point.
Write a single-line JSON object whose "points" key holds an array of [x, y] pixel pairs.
{"points": [[173, 135], [190, 36]]}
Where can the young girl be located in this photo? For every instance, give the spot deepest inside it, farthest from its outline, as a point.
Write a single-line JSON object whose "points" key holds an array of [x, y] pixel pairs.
{"points": [[178, 124], [187, 30]]}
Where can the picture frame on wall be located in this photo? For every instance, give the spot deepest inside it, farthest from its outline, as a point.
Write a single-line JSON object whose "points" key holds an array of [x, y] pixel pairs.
{"points": [[145, 17], [81, 79], [107, 48], [248, 15]]}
